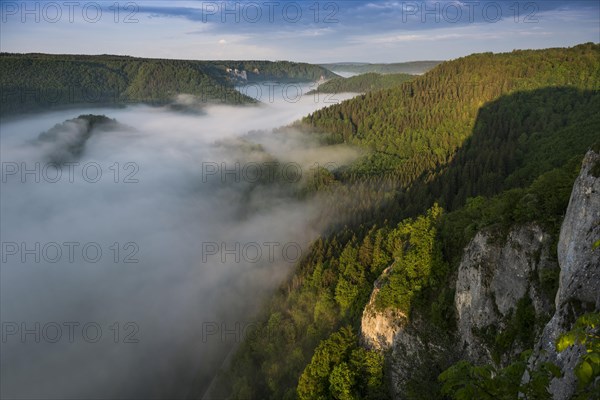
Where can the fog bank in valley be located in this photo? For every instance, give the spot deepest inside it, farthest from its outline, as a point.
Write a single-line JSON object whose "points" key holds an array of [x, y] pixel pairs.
{"points": [[111, 284]]}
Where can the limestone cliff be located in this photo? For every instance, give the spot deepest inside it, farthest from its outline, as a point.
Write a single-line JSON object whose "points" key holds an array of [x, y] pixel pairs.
{"points": [[499, 274], [496, 272], [492, 278], [579, 289], [379, 329]]}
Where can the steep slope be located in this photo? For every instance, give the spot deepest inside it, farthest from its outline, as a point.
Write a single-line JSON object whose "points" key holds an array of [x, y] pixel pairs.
{"points": [[458, 126], [419, 125], [472, 126], [579, 289], [496, 282], [503, 298]]}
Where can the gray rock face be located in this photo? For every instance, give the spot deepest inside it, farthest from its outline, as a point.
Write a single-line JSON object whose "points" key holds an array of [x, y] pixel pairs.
{"points": [[579, 262], [404, 344], [492, 278], [387, 331], [579, 289], [408, 348], [378, 329]]}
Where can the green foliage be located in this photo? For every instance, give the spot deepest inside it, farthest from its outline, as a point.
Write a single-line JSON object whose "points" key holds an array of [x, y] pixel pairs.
{"points": [[341, 382], [475, 126], [549, 280], [423, 122], [415, 254], [339, 369], [497, 140], [465, 381], [585, 332], [329, 290], [544, 202], [351, 280]]}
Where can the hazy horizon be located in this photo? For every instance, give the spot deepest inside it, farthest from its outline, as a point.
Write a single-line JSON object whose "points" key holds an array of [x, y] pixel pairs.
{"points": [[323, 32]]}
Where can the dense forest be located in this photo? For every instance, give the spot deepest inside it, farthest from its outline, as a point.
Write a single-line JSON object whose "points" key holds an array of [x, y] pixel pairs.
{"points": [[362, 83], [488, 140], [31, 82], [412, 67]]}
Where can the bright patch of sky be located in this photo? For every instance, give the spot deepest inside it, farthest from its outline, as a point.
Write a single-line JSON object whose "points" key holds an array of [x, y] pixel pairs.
{"points": [[310, 31]]}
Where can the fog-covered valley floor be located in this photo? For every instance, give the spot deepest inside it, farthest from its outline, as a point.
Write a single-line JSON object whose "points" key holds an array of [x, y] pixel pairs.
{"points": [[114, 280]]}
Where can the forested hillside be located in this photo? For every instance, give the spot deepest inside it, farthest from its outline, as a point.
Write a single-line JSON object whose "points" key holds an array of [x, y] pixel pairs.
{"points": [[489, 140], [437, 111], [362, 83], [30, 82]]}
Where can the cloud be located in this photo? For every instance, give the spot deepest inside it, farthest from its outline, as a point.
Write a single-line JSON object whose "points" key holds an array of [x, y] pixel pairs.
{"points": [[166, 299], [364, 31]]}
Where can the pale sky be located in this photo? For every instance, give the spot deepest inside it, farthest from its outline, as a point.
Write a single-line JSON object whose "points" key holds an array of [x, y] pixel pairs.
{"points": [[310, 31]]}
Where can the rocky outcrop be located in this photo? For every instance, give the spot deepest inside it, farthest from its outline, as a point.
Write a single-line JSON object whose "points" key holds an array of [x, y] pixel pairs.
{"points": [[407, 346], [497, 270], [387, 331], [378, 329], [579, 289], [579, 262], [492, 278]]}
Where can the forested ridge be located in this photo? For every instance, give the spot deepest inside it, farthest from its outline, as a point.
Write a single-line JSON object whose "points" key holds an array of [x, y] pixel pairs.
{"points": [[437, 111], [30, 82], [488, 140], [509, 104]]}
